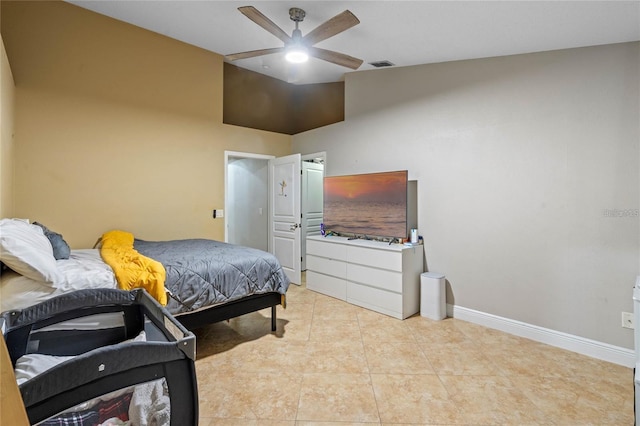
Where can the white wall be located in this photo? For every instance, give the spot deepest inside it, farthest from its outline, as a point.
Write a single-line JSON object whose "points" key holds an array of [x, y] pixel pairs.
{"points": [[248, 197], [517, 159]]}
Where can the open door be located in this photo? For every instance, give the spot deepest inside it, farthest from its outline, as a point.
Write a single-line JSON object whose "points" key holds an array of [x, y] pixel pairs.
{"points": [[284, 214]]}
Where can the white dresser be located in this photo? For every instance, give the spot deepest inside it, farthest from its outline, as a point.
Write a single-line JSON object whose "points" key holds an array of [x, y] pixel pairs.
{"points": [[372, 274]]}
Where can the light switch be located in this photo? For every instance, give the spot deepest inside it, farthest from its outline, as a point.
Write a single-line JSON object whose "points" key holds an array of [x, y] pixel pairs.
{"points": [[218, 213]]}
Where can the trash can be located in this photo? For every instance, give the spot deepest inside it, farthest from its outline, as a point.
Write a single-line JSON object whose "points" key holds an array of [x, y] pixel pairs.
{"points": [[433, 303]]}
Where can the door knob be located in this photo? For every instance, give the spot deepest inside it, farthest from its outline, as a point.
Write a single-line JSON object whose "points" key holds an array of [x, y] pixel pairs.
{"points": [[294, 226]]}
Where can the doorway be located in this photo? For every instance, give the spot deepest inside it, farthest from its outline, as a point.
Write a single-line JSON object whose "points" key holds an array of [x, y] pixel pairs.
{"points": [[247, 199]]}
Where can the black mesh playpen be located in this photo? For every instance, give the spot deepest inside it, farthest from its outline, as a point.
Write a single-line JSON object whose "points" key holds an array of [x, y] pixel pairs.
{"points": [[102, 356]]}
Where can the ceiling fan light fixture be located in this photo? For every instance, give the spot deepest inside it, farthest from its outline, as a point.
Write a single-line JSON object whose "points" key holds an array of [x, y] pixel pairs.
{"points": [[297, 48], [296, 54]]}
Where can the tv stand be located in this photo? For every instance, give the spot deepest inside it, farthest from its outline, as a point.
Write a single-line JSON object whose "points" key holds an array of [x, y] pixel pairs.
{"points": [[373, 274]]}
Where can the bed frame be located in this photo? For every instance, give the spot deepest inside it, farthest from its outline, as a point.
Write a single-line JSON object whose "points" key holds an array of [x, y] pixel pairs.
{"points": [[232, 309]]}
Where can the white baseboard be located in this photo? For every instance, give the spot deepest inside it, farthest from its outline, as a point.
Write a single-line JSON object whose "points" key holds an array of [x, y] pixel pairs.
{"points": [[581, 345]]}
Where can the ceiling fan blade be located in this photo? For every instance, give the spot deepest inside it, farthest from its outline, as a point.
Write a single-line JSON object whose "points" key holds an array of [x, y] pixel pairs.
{"points": [[256, 16], [336, 58], [253, 53], [333, 26]]}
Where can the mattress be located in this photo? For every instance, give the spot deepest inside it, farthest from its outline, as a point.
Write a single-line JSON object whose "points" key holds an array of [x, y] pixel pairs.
{"points": [[202, 273], [84, 269]]}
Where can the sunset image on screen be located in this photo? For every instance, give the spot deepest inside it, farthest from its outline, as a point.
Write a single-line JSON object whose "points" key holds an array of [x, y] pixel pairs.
{"points": [[369, 187], [373, 204]]}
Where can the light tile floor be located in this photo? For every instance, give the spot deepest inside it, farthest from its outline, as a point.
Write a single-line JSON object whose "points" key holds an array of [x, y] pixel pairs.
{"points": [[330, 362]]}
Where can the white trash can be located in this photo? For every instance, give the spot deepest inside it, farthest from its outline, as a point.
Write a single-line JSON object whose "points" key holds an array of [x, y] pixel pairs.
{"points": [[433, 297]]}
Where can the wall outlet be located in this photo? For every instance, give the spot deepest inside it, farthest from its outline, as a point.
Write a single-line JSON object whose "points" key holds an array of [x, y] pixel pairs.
{"points": [[627, 320]]}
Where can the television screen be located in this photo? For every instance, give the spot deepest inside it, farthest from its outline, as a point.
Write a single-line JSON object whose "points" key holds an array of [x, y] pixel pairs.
{"points": [[373, 204]]}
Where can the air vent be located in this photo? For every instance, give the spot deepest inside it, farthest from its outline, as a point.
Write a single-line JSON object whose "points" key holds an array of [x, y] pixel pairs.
{"points": [[382, 64]]}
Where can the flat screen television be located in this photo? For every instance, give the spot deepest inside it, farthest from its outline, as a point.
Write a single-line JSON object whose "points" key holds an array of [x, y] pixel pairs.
{"points": [[366, 205]]}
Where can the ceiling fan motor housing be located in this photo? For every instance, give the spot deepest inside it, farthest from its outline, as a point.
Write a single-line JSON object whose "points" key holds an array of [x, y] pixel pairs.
{"points": [[296, 14]]}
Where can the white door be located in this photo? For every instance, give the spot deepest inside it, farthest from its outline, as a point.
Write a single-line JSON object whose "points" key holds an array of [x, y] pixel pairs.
{"points": [[284, 214], [312, 179]]}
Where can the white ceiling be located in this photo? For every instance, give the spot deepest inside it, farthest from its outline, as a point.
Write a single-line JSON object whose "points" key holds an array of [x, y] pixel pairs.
{"points": [[403, 32]]}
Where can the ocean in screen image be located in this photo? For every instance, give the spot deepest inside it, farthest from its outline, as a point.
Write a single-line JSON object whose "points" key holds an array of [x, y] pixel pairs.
{"points": [[371, 218]]}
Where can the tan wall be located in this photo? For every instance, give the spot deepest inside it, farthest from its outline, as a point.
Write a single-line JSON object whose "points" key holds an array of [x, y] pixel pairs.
{"points": [[6, 135], [118, 127]]}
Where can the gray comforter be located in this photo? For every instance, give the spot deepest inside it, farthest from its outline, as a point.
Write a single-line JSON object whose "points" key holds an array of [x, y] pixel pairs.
{"points": [[202, 273]]}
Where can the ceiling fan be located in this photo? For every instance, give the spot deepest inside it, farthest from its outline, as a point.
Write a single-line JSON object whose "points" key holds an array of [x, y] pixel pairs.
{"points": [[297, 47]]}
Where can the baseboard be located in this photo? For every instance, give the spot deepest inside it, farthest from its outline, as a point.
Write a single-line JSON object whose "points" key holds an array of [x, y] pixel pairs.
{"points": [[581, 345]]}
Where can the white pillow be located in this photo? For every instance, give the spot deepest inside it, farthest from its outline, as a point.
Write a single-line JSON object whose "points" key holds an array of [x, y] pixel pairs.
{"points": [[25, 249]]}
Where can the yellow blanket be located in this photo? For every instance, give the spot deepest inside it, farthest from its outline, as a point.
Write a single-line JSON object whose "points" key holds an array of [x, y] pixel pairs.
{"points": [[132, 269]]}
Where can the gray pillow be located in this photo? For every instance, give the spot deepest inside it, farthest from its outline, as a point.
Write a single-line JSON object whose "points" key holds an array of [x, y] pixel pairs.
{"points": [[61, 249]]}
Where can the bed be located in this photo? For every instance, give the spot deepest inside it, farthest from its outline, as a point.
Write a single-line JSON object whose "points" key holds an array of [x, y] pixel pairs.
{"points": [[216, 280], [205, 281], [71, 329]]}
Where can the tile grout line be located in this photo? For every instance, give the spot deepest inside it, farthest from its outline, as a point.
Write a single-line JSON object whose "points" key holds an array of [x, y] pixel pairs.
{"points": [[364, 351], [313, 313]]}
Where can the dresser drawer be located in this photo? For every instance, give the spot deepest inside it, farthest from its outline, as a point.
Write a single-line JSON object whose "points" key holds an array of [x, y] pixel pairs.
{"points": [[380, 278], [375, 298], [325, 284], [327, 249], [382, 259], [331, 267]]}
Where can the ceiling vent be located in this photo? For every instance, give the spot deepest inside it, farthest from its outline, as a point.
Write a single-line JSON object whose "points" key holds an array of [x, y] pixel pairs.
{"points": [[382, 64]]}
